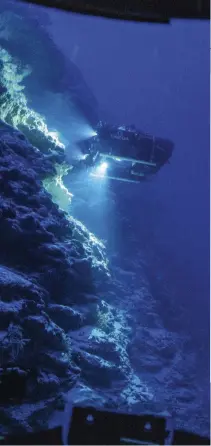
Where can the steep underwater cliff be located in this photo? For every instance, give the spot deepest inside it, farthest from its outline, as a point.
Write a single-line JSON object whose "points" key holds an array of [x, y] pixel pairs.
{"points": [[60, 328], [44, 255], [48, 260]]}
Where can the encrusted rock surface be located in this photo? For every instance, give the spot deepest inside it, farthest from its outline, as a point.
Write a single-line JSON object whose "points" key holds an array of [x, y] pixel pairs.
{"points": [[50, 269]]}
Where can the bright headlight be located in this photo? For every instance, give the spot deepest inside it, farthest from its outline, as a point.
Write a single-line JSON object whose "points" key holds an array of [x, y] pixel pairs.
{"points": [[103, 167], [100, 170]]}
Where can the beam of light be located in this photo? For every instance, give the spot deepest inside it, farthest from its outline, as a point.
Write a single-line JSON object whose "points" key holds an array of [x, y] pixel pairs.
{"points": [[81, 131], [100, 171], [92, 133], [83, 156]]}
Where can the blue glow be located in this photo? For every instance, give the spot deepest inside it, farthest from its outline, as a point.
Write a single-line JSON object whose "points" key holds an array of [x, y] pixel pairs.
{"points": [[103, 166], [100, 170]]}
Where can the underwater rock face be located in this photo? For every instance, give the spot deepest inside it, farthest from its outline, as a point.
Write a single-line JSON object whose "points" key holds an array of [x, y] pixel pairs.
{"points": [[62, 331], [53, 84], [49, 273]]}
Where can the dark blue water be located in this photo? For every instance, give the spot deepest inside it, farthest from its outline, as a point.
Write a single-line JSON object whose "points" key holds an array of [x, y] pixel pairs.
{"points": [[156, 77]]}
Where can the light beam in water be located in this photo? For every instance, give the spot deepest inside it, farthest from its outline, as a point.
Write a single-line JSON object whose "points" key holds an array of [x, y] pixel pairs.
{"points": [[100, 170]]}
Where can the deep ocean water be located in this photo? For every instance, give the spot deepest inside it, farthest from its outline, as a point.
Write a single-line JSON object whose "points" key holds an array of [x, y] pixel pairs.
{"points": [[81, 295]]}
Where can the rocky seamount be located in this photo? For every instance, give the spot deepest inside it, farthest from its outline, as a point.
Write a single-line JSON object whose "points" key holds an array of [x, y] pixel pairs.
{"points": [[61, 333], [49, 274]]}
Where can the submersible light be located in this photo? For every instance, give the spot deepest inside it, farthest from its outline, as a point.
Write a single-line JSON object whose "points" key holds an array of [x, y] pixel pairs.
{"points": [[100, 170]]}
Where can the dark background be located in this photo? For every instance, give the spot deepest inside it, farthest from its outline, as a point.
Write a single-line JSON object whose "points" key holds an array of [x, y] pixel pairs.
{"points": [[156, 77]]}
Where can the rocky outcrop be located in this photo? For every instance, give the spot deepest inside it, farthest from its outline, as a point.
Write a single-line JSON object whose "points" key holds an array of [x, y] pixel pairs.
{"points": [[50, 269], [63, 329], [51, 81]]}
